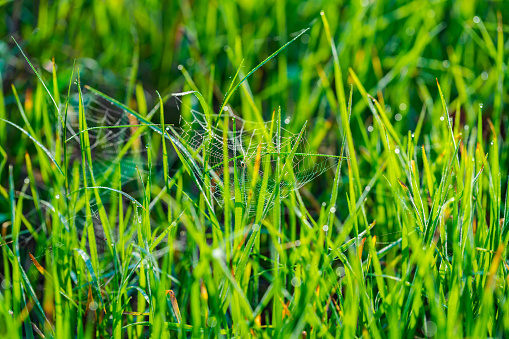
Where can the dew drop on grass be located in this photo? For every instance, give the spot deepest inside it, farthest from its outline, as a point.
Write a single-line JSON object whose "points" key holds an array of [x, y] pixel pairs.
{"points": [[402, 106], [322, 13], [429, 329], [296, 282], [442, 118], [398, 117], [340, 271], [333, 209], [57, 196], [370, 128], [211, 322], [396, 151], [287, 121], [367, 188], [484, 75], [225, 108], [491, 143], [297, 243], [93, 306], [217, 253], [466, 127], [480, 105], [27, 181], [167, 128], [180, 67], [256, 227], [324, 204], [477, 19], [6, 284], [325, 228]]}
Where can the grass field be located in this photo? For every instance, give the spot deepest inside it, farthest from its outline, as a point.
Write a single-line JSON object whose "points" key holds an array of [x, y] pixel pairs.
{"points": [[272, 169]]}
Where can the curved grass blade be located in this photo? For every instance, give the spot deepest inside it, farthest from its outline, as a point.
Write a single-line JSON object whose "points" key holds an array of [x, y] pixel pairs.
{"points": [[109, 189], [37, 143]]}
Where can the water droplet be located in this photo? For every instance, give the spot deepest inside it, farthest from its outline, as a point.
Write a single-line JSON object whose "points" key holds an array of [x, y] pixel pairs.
{"points": [[297, 243], [167, 128], [446, 63], [324, 204], [484, 75], [147, 146], [325, 228], [340, 271], [296, 282], [367, 188], [398, 117], [333, 209], [256, 227], [466, 127], [429, 329], [27, 181], [287, 121], [477, 19], [410, 31], [396, 151], [217, 253], [491, 143], [431, 13], [370, 128], [413, 135], [211, 322], [57, 196], [322, 13], [480, 105], [364, 3], [93, 306], [180, 67], [442, 118], [225, 108], [6, 284], [402, 106]]}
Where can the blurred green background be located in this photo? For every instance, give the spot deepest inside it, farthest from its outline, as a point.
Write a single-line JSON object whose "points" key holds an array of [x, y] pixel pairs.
{"points": [[405, 43]]}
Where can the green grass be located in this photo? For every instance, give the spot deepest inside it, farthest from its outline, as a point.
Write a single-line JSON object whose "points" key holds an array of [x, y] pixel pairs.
{"points": [[366, 193]]}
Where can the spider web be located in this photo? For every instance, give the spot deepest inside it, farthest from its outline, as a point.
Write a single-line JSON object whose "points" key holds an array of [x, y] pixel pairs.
{"points": [[110, 129], [253, 152]]}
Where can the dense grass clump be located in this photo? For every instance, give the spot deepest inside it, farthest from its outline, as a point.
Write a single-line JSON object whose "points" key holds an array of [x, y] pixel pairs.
{"points": [[254, 169]]}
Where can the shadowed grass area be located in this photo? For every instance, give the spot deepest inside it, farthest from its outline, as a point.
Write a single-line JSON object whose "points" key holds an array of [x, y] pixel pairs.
{"points": [[253, 169]]}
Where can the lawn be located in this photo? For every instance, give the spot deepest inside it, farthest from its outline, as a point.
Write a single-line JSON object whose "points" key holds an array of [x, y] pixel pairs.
{"points": [[272, 169]]}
